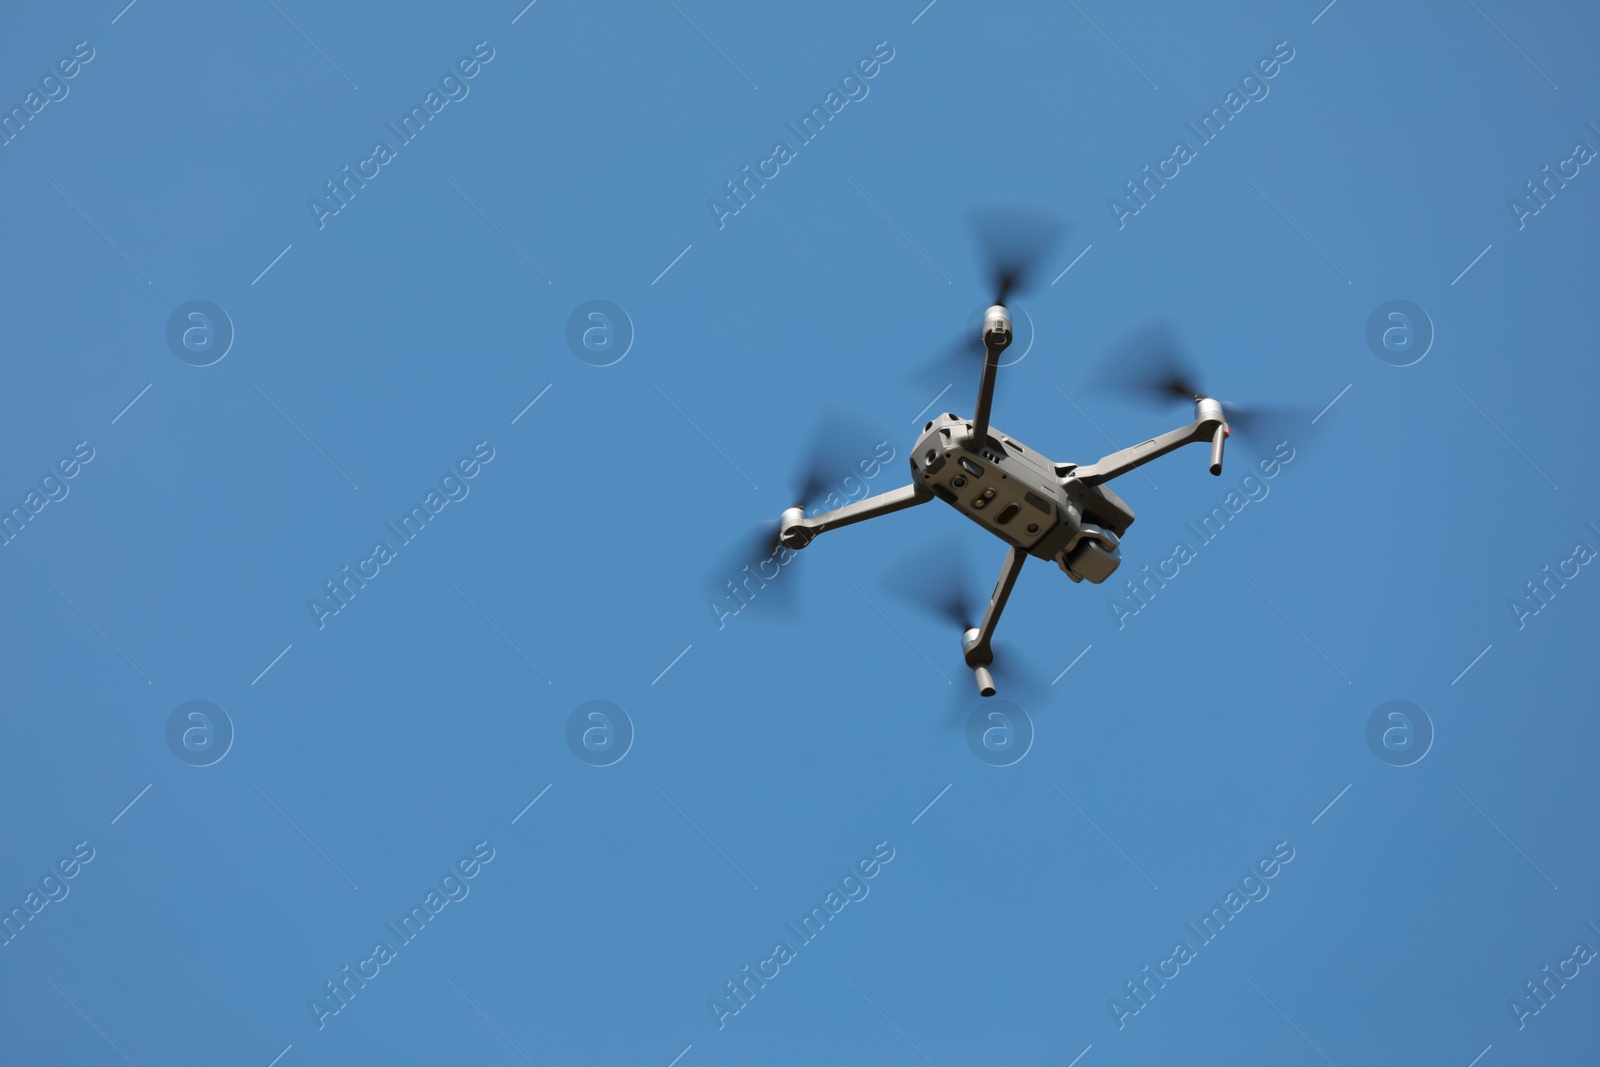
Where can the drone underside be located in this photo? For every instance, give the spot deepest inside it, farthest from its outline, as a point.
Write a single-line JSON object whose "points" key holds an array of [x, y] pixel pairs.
{"points": [[1055, 511], [1023, 498]]}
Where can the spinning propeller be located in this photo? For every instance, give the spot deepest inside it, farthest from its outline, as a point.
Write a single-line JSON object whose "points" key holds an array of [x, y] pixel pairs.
{"points": [[1151, 366], [936, 577], [958, 461], [756, 567], [1012, 240]]}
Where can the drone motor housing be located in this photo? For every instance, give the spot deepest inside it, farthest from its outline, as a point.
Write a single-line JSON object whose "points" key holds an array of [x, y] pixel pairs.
{"points": [[996, 327]]}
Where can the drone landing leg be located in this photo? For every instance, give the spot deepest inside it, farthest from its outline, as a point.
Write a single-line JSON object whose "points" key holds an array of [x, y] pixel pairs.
{"points": [[977, 646], [797, 531]]}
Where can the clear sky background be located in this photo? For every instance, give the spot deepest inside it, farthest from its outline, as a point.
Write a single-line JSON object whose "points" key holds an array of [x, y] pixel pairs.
{"points": [[373, 352]]}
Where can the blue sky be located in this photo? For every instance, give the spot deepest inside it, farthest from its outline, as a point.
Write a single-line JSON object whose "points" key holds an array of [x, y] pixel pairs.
{"points": [[178, 521]]}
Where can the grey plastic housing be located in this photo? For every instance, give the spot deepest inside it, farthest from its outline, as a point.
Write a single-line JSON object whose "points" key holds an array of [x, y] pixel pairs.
{"points": [[1060, 512]]}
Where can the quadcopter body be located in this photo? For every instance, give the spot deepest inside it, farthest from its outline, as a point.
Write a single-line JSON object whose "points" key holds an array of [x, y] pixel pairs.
{"points": [[1060, 512]]}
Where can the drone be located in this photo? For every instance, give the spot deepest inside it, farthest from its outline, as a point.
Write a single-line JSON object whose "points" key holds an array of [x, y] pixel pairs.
{"points": [[1063, 513]]}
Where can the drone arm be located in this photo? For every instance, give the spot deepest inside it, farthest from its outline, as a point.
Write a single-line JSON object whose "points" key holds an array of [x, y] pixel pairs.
{"points": [[798, 530], [1208, 426], [980, 418], [978, 648], [996, 338]]}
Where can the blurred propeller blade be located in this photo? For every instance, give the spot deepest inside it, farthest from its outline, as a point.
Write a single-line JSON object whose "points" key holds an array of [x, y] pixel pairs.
{"points": [[754, 573], [1015, 679], [837, 447], [957, 366], [752, 576], [1013, 238], [1268, 423], [935, 576], [1151, 365]]}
